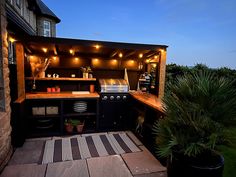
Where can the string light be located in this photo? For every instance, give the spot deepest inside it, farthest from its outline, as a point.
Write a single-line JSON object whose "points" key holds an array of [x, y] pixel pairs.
{"points": [[97, 46], [140, 55], [45, 50]]}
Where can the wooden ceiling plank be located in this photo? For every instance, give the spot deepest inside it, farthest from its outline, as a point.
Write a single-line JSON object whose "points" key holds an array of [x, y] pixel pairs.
{"points": [[129, 54], [55, 50], [113, 54]]}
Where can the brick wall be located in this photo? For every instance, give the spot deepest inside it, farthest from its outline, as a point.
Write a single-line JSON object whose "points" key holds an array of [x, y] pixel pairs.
{"points": [[5, 127]]}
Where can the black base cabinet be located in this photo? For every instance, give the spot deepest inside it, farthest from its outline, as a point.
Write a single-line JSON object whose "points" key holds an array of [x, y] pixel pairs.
{"points": [[114, 115], [46, 117], [18, 123]]}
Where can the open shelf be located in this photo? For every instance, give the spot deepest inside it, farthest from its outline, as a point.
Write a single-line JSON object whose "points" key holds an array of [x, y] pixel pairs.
{"points": [[53, 124], [80, 114], [43, 116], [61, 79]]}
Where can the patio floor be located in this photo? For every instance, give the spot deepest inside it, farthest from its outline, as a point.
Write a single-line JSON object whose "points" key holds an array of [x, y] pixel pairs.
{"points": [[26, 162]]}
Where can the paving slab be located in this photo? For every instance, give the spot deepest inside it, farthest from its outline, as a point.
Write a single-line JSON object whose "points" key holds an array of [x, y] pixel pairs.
{"points": [[38, 139], [26, 170], [134, 138], [159, 174], [109, 166], [29, 153], [76, 168], [140, 163]]}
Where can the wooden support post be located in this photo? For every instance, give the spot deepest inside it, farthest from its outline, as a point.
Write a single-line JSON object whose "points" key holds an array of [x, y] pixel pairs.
{"points": [[20, 70], [162, 73]]}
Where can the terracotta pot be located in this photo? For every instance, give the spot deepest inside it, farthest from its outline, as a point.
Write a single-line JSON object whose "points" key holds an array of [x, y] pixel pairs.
{"points": [[91, 88], [69, 128], [80, 128]]}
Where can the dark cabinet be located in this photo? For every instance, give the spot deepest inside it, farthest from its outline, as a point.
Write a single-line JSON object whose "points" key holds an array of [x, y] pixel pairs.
{"points": [[114, 114], [46, 117]]}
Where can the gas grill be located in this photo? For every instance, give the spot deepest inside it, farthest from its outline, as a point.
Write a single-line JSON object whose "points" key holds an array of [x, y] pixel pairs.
{"points": [[114, 102], [113, 86]]}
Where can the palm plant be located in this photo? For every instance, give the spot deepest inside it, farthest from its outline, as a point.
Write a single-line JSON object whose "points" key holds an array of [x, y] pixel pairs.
{"points": [[197, 109]]}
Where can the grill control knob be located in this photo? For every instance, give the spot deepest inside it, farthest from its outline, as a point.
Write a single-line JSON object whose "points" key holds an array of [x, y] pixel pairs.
{"points": [[104, 98], [118, 97], [124, 97], [111, 97]]}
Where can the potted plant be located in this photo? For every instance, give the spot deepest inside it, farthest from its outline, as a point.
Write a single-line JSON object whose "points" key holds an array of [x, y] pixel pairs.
{"points": [[86, 70], [68, 126], [197, 108], [78, 124]]}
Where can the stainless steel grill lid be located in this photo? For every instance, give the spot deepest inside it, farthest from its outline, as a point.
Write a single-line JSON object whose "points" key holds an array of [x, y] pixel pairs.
{"points": [[113, 85]]}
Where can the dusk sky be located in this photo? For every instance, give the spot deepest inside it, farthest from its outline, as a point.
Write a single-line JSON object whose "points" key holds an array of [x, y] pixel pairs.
{"points": [[201, 31]]}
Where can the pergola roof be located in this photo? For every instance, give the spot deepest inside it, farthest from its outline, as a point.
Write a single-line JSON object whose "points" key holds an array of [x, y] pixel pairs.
{"points": [[89, 48]]}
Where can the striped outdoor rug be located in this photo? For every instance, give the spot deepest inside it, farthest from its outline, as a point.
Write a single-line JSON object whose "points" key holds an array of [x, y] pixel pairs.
{"points": [[82, 147]]}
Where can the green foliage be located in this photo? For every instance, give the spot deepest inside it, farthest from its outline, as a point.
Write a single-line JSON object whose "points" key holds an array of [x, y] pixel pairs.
{"points": [[76, 122], [198, 105], [173, 71], [73, 122], [229, 153]]}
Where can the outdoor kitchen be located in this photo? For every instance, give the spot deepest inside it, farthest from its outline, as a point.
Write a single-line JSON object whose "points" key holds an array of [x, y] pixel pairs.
{"points": [[94, 83], [83, 107], [85, 90]]}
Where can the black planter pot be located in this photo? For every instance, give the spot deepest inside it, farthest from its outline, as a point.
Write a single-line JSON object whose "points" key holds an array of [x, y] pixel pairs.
{"points": [[209, 164]]}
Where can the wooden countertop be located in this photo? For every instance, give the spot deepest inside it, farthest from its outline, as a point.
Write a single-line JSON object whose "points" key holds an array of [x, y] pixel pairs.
{"points": [[63, 95], [20, 100], [148, 99]]}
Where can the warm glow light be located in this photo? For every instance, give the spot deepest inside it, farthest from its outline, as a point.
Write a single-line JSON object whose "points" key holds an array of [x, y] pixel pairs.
{"points": [[161, 50], [45, 50], [147, 61], [114, 61], [140, 55], [132, 61], [54, 58], [97, 46], [95, 62], [155, 56], [11, 39], [71, 51], [154, 65], [120, 55], [76, 58]]}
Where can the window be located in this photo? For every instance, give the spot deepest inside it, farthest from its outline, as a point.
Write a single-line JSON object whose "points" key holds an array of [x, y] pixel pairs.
{"points": [[11, 1], [18, 3], [46, 29], [20, 6], [11, 53]]}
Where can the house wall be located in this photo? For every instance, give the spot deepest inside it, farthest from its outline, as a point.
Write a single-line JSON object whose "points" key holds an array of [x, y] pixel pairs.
{"points": [[5, 110], [40, 26], [24, 12]]}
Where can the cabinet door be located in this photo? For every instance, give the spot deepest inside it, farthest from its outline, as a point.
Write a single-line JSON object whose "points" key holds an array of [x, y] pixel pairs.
{"points": [[113, 115], [107, 115]]}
